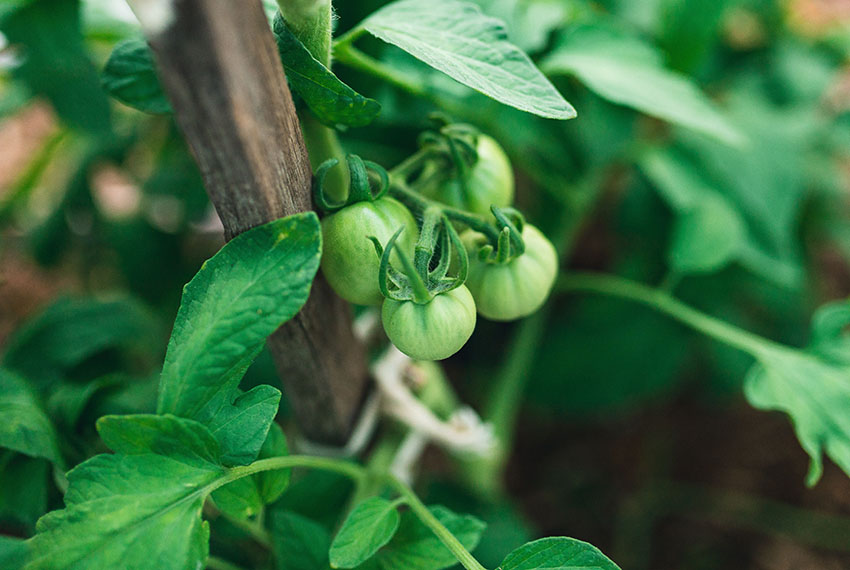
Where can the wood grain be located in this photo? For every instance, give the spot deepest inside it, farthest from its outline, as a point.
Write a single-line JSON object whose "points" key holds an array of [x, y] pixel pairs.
{"points": [[221, 70]]}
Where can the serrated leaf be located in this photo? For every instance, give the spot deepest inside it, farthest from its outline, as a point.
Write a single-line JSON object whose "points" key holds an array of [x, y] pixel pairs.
{"points": [[415, 547], [369, 526], [25, 427], [299, 543], [557, 553], [258, 281], [130, 76], [136, 508], [456, 38], [811, 386], [332, 101], [623, 70]]}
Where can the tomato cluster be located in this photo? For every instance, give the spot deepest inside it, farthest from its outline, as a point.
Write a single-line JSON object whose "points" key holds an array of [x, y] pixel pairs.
{"points": [[398, 250]]}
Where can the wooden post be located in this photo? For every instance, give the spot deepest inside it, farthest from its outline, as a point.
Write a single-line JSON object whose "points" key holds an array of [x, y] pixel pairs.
{"points": [[219, 65]]}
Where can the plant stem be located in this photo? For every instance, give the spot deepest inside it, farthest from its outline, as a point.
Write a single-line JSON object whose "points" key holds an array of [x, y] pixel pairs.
{"points": [[341, 466], [483, 474], [311, 21], [322, 143], [359, 474], [346, 53], [428, 519], [418, 203], [719, 330]]}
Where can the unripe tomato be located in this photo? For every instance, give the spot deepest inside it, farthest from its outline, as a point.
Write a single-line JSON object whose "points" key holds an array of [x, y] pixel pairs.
{"points": [[504, 292], [490, 181], [349, 261], [433, 330]]}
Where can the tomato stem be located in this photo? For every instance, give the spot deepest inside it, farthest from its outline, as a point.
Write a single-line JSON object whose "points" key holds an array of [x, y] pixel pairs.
{"points": [[721, 331], [361, 474]]}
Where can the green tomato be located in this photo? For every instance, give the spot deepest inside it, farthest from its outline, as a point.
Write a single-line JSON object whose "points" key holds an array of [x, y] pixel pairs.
{"points": [[490, 181], [433, 330], [349, 261], [504, 292]]}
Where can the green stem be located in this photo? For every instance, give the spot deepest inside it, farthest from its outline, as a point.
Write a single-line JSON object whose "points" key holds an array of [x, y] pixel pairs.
{"points": [[418, 203], [359, 474], [428, 519], [341, 466], [311, 21], [717, 329], [322, 143], [378, 465], [345, 52], [484, 474]]}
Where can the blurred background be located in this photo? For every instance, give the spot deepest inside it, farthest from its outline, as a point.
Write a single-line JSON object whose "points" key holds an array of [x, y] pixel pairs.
{"points": [[631, 432]]}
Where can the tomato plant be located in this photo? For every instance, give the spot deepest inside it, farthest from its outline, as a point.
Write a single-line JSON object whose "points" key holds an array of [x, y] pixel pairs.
{"points": [[488, 181], [588, 245]]}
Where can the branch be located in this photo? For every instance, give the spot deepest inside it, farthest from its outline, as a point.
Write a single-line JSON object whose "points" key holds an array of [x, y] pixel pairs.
{"points": [[221, 70]]}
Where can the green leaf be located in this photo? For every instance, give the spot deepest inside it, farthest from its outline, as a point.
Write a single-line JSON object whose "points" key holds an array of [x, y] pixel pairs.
{"points": [[136, 508], [557, 553], [25, 482], [245, 497], [369, 526], [530, 23], [165, 435], [258, 281], [332, 101], [25, 427], [708, 233], [415, 547], [454, 37], [69, 331], [689, 30], [811, 386], [239, 499], [13, 553], [766, 182], [130, 76], [9, 7], [299, 543], [57, 64], [625, 71], [272, 484], [706, 237], [241, 428]]}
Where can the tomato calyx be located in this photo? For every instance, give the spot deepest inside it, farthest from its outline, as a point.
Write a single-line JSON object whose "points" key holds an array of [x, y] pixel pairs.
{"points": [[360, 185], [427, 275], [509, 245]]}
